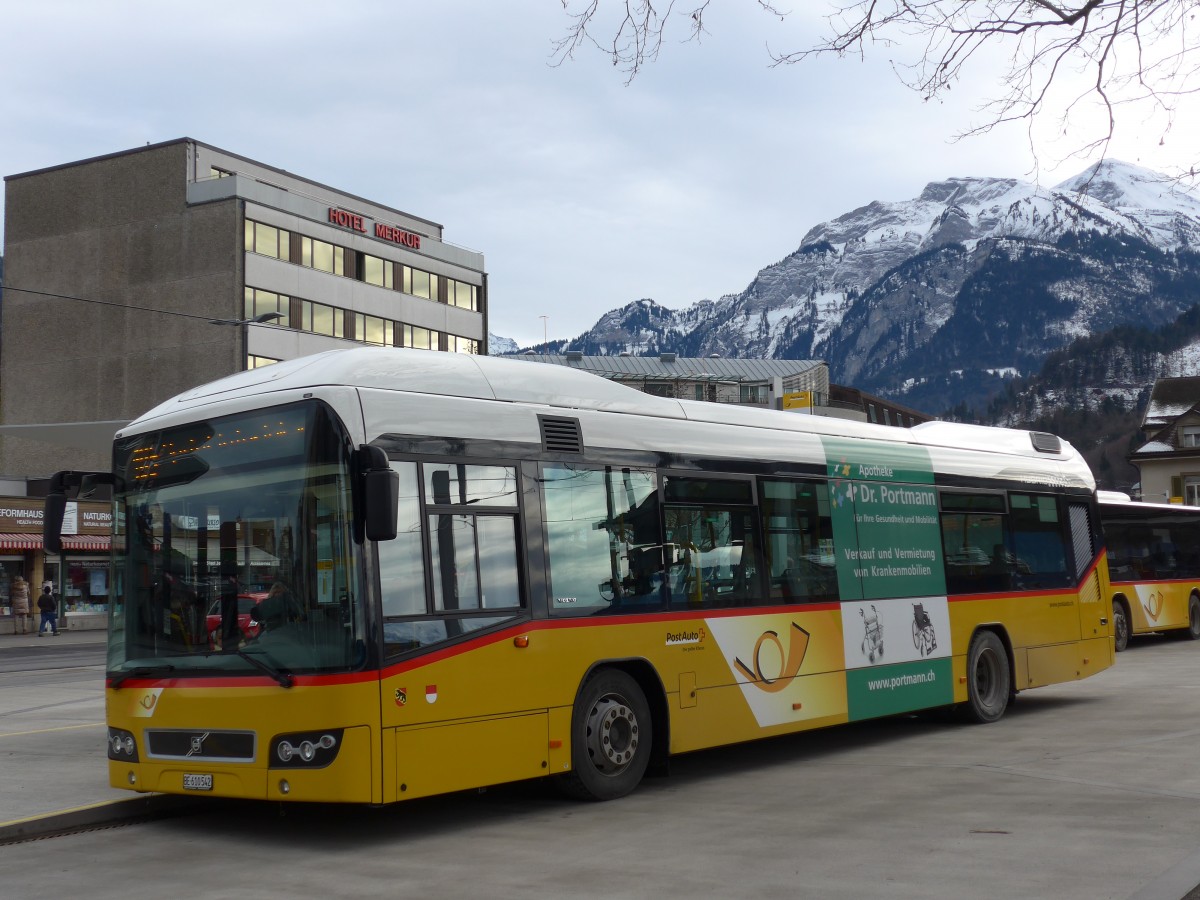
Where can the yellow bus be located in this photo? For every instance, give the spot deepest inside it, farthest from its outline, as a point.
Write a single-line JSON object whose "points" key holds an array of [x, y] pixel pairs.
{"points": [[1154, 566], [463, 571]]}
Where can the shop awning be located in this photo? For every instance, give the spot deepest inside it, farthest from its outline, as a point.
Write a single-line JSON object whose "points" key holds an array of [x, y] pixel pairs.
{"points": [[76, 542], [20, 541], [87, 542]]}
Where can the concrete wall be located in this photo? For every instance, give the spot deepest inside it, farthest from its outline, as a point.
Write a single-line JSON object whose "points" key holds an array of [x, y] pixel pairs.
{"points": [[116, 230]]}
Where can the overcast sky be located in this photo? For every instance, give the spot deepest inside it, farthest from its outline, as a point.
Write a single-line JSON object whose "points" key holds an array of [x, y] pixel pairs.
{"points": [[583, 193]]}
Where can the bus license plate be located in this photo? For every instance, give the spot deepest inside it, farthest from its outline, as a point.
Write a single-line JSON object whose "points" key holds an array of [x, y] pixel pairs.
{"points": [[197, 782]]}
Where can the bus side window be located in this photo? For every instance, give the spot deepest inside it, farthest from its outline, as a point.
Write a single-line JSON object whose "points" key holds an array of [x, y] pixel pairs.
{"points": [[401, 561], [1038, 542], [712, 552], [475, 576], [473, 538], [978, 555], [603, 542], [1186, 536], [799, 541]]}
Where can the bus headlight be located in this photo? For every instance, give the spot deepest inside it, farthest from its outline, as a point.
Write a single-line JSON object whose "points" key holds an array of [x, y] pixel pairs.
{"points": [[121, 745], [305, 750]]}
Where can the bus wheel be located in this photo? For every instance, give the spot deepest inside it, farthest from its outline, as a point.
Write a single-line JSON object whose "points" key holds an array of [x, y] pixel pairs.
{"points": [[611, 737], [1193, 629], [989, 683], [1120, 625]]}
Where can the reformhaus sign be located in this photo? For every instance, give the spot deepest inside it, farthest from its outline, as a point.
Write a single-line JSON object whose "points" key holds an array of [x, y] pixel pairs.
{"points": [[24, 516]]}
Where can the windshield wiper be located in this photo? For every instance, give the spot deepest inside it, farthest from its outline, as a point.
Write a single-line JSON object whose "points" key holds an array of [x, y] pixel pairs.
{"points": [[284, 678], [139, 672]]}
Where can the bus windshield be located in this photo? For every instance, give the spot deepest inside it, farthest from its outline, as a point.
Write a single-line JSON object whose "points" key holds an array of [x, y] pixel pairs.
{"points": [[232, 548]]}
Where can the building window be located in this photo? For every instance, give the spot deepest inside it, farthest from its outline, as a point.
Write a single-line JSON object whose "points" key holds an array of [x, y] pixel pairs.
{"points": [[267, 240], [257, 362], [322, 256], [214, 172], [660, 389], [373, 330], [754, 393], [420, 284], [461, 294], [378, 271], [871, 413], [1191, 491], [259, 302], [1189, 436], [420, 338], [321, 319], [887, 416]]}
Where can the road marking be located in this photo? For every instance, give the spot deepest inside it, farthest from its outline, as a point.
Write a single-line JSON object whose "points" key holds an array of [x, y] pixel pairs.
{"points": [[60, 812], [48, 730]]}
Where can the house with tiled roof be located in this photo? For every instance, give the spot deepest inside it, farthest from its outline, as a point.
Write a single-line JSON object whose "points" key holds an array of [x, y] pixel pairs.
{"points": [[1169, 459]]}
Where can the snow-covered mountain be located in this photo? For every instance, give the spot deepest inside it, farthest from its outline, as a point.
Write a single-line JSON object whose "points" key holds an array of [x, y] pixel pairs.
{"points": [[499, 346], [931, 300]]}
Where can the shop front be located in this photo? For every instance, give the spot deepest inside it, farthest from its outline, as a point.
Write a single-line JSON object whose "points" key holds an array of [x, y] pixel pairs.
{"points": [[79, 574]]}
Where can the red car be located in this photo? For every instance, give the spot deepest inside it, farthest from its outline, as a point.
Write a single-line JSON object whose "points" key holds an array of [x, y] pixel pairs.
{"points": [[245, 603]]}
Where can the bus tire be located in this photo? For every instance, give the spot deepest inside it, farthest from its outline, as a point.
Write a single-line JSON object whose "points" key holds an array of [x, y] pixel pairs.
{"points": [[1120, 616], [611, 738], [989, 679], [1193, 630]]}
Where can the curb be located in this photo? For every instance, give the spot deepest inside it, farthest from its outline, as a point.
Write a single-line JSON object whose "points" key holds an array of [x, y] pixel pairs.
{"points": [[94, 815]]}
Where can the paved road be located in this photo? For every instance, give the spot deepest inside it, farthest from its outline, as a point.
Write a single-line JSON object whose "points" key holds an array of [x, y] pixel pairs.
{"points": [[50, 654], [1086, 790]]}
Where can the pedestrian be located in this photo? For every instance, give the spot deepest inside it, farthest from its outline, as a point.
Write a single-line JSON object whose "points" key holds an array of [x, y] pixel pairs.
{"points": [[48, 605], [20, 604], [278, 608]]}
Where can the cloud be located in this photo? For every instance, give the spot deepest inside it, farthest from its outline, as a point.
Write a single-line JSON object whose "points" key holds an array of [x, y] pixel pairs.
{"points": [[583, 193]]}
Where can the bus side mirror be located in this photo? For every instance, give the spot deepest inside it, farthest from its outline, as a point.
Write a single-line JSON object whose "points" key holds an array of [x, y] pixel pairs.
{"points": [[380, 494], [56, 502], [52, 521]]}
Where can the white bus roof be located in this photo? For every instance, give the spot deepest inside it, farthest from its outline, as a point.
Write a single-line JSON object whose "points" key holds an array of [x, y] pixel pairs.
{"points": [[516, 381]]}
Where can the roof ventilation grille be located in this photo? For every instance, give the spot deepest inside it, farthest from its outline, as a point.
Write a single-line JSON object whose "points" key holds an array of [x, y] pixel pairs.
{"points": [[560, 435], [574, 355], [1045, 443]]}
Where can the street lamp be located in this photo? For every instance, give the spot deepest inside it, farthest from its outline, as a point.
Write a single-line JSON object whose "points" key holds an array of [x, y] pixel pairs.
{"points": [[545, 339], [260, 319]]}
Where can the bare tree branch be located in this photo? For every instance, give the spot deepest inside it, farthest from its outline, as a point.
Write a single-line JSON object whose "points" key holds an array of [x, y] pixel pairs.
{"points": [[638, 29], [1139, 55]]}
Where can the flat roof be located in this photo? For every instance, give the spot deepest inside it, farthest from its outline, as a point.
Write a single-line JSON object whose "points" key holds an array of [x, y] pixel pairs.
{"points": [[680, 367], [188, 140]]}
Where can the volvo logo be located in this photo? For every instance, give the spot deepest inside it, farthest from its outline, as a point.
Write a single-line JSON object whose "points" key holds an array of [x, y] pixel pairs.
{"points": [[197, 746]]}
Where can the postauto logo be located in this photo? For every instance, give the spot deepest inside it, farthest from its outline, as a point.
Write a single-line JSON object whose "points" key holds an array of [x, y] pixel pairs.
{"points": [[789, 660]]}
